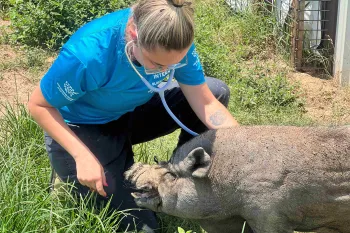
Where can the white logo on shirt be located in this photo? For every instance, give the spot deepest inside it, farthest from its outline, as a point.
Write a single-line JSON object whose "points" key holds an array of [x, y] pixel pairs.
{"points": [[195, 55], [161, 75], [156, 82], [68, 89]]}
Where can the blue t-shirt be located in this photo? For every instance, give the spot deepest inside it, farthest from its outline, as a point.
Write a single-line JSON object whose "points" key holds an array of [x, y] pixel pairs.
{"points": [[92, 82]]}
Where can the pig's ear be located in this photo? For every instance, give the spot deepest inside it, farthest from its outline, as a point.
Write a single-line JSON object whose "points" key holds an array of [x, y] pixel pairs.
{"points": [[198, 163]]}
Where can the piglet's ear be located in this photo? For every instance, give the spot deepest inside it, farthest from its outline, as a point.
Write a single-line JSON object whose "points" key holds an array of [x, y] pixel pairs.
{"points": [[198, 163]]}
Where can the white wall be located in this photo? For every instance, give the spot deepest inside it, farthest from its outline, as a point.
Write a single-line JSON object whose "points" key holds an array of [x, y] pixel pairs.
{"points": [[342, 46]]}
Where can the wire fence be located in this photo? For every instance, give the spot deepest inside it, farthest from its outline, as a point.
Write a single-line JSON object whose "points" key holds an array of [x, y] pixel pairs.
{"points": [[306, 29]]}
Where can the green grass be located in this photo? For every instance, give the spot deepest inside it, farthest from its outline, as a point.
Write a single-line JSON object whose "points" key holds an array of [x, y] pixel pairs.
{"points": [[243, 50], [237, 48], [27, 206], [4, 8]]}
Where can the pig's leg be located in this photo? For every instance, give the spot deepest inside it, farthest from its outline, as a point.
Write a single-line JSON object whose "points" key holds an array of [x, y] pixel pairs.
{"points": [[343, 226], [268, 222], [231, 225], [328, 230]]}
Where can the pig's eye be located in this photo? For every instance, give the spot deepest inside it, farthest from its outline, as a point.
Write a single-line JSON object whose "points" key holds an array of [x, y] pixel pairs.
{"points": [[170, 176]]}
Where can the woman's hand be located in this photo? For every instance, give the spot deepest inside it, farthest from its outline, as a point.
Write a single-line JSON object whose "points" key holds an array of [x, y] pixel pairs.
{"points": [[90, 173], [89, 170]]}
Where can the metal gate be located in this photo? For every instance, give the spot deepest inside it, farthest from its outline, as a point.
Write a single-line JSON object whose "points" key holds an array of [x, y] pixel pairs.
{"points": [[307, 29], [313, 34]]}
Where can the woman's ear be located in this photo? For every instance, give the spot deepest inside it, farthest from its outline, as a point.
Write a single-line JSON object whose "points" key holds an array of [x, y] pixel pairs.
{"points": [[133, 32]]}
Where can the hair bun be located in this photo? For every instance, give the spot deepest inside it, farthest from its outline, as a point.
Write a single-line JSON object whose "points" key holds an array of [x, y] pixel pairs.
{"points": [[174, 17]]}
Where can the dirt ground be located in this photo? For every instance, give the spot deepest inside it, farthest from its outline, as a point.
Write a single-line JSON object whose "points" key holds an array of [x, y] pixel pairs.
{"points": [[326, 102], [16, 83]]}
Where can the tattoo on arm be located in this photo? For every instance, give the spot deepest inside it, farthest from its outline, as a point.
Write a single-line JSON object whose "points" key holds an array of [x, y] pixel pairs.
{"points": [[217, 118]]}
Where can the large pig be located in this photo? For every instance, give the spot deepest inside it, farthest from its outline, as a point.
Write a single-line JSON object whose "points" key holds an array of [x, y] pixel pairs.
{"points": [[277, 178]]}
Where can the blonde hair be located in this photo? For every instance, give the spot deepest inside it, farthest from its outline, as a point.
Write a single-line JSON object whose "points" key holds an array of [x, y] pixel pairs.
{"points": [[167, 24]]}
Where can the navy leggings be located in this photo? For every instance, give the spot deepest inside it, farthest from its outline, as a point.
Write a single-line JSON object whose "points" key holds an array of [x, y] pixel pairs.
{"points": [[112, 144]]}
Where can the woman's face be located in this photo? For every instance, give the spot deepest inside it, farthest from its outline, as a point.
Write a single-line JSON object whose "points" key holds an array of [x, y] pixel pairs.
{"points": [[158, 59]]}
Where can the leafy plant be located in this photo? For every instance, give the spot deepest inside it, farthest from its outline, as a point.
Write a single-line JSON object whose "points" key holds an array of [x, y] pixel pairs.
{"points": [[240, 48], [180, 230], [50, 23], [4, 8]]}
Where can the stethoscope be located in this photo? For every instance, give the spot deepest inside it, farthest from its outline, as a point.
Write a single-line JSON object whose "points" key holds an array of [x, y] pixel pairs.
{"points": [[160, 91]]}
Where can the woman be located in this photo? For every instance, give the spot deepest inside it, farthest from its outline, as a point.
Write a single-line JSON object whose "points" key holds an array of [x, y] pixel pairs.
{"points": [[93, 106]]}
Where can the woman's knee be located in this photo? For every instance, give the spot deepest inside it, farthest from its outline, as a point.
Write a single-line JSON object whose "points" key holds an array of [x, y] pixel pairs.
{"points": [[219, 89]]}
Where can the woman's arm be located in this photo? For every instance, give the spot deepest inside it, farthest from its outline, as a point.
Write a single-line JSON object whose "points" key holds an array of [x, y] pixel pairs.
{"points": [[209, 110], [89, 170]]}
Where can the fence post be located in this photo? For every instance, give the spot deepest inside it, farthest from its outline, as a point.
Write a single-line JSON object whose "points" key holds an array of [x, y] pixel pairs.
{"points": [[297, 33], [342, 45]]}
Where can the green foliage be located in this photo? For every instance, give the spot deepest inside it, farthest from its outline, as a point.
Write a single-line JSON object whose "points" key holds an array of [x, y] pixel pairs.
{"points": [[225, 39], [4, 8], [243, 228], [254, 92], [50, 23], [25, 202], [4, 36], [18, 129], [180, 230], [235, 47], [260, 96], [35, 58]]}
